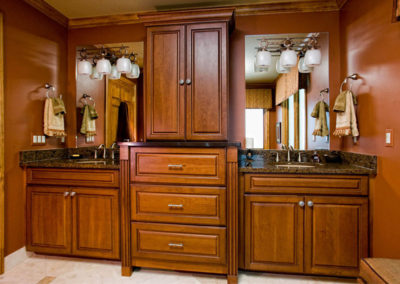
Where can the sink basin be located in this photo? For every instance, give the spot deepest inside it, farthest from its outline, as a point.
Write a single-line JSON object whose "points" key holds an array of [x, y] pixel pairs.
{"points": [[294, 166], [94, 162]]}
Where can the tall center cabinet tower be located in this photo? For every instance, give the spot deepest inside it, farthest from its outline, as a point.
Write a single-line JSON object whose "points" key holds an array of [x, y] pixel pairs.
{"points": [[179, 187]]}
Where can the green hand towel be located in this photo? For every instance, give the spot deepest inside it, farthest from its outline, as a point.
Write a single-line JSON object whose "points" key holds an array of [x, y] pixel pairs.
{"points": [[92, 112], [58, 106], [321, 123]]}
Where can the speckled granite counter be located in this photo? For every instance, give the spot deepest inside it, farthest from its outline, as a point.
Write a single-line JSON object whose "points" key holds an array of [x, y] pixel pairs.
{"points": [[73, 164], [263, 161]]}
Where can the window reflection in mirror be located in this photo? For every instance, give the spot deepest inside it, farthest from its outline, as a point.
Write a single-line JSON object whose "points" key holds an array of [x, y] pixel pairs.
{"points": [[287, 98]]}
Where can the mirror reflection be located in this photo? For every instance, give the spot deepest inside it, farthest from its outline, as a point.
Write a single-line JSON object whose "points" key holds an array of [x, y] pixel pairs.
{"points": [[108, 87], [287, 80]]}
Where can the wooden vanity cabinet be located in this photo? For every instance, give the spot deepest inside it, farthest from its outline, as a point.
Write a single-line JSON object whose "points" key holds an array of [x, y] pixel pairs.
{"points": [[313, 232], [187, 81], [73, 220]]}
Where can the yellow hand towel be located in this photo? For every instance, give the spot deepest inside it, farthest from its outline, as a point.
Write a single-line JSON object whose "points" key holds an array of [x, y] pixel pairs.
{"points": [[346, 121], [321, 124], [53, 124], [88, 124]]}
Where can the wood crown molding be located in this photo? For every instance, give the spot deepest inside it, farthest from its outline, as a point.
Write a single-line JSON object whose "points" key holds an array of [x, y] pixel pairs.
{"points": [[340, 3], [208, 13], [49, 11]]}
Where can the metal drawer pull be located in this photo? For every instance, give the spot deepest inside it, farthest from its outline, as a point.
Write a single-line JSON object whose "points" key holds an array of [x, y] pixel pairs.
{"points": [[310, 203], [175, 205], [73, 193], [180, 245], [66, 193], [301, 203], [175, 167]]}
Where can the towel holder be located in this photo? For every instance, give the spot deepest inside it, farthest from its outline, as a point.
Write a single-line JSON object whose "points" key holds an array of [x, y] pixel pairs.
{"points": [[353, 76], [86, 97]]}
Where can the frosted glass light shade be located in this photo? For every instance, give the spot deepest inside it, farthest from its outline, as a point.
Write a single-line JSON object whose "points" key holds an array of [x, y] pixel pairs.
{"points": [[303, 68], [280, 69], [84, 67], [263, 59], [288, 58], [135, 72], [114, 75], [313, 57], [103, 66], [124, 65], [95, 74]]}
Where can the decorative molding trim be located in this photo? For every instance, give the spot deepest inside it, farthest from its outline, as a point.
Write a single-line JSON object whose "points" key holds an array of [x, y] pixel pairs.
{"points": [[49, 11], [18, 256], [205, 13], [340, 3], [2, 208]]}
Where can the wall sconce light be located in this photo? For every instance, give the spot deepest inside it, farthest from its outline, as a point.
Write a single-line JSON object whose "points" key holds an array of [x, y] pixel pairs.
{"points": [[288, 56], [103, 65], [280, 69], [313, 55], [84, 66], [304, 68], [135, 69], [263, 56]]}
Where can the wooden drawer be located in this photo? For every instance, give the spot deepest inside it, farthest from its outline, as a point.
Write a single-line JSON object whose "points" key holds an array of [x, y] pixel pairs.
{"points": [[303, 184], [182, 243], [178, 165], [65, 177], [179, 204]]}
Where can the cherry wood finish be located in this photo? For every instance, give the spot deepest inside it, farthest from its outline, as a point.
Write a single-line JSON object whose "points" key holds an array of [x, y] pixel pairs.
{"points": [[335, 227], [70, 220], [164, 99], [73, 177], [184, 204], [48, 220], [126, 261], [274, 233], [306, 184], [178, 165], [336, 233], [207, 94], [95, 224], [179, 243]]}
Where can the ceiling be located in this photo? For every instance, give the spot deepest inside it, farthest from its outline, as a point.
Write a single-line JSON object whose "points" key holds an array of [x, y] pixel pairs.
{"points": [[73, 9]]}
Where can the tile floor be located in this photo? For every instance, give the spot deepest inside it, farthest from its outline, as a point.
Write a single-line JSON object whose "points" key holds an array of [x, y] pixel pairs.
{"points": [[40, 269]]}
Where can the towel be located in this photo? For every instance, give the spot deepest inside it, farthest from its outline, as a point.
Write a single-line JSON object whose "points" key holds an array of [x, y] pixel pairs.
{"points": [[88, 127], [321, 123], [123, 129], [58, 106], [93, 112], [53, 123], [346, 121]]}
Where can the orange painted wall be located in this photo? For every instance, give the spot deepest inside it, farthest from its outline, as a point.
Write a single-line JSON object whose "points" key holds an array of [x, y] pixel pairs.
{"points": [[35, 49], [370, 46]]}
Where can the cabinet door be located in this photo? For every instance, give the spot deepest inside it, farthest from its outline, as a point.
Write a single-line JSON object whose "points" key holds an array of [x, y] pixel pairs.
{"points": [[207, 92], [95, 222], [336, 235], [48, 219], [274, 233], [164, 95]]}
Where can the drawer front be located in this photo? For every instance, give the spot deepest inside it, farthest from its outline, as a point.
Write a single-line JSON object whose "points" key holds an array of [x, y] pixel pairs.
{"points": [[179, 204], [178, 165], [82, 177], [179, 243], [313, 184]]}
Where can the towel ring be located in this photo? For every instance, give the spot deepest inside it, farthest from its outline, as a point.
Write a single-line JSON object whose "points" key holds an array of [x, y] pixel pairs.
{"points": [[353, 76], [84, 99]]}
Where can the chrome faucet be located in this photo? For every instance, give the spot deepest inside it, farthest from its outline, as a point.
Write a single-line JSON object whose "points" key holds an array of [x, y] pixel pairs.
{"points": [[113, 146], [288, 148], [101, 146]]}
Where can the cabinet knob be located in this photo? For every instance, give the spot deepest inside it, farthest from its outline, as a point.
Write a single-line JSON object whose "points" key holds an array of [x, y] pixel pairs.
{"points": [[73, 193], [181, 82], [66, 193], [310, 203], [188, 82], [301, 203]]}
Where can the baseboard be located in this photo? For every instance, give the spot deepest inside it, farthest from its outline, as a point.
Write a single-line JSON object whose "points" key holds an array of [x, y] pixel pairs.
{"points": [[16, 258]]}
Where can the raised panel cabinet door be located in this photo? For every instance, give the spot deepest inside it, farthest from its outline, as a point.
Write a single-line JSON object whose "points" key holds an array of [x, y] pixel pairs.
{"points": [[165, 92], [207, 81], [274, 233], [336, 235], [95, 222], [48, 219]]}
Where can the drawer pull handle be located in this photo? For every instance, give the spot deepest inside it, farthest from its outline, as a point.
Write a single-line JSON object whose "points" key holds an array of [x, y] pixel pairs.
{"points": [[175, 205], [172, 245], [66, 193], [310, 203], [73, 193], [175, 167], [301, 203]]}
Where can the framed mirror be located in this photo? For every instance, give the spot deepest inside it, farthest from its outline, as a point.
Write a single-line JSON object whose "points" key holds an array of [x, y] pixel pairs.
{"points": [[282, 90], [108, 92]]}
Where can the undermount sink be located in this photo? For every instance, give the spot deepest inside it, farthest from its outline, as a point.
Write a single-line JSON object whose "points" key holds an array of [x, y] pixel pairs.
{"points": [[294, 166], [91, 162]]}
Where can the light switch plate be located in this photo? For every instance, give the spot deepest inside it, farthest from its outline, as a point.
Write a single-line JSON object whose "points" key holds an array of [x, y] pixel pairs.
{"points": [[389, 137]]}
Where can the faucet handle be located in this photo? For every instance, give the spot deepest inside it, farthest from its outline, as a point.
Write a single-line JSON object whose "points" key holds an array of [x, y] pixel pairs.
{"points": [[299, 159], [283, 146], [277, 157]]}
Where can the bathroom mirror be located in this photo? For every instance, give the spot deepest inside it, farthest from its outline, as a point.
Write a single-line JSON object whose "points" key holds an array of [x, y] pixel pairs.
{"points": [[282, 90], [114, 96]]}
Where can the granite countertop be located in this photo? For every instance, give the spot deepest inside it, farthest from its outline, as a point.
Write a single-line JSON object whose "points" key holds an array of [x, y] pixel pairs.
{"points": [[328, 168], [74, 164]]}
